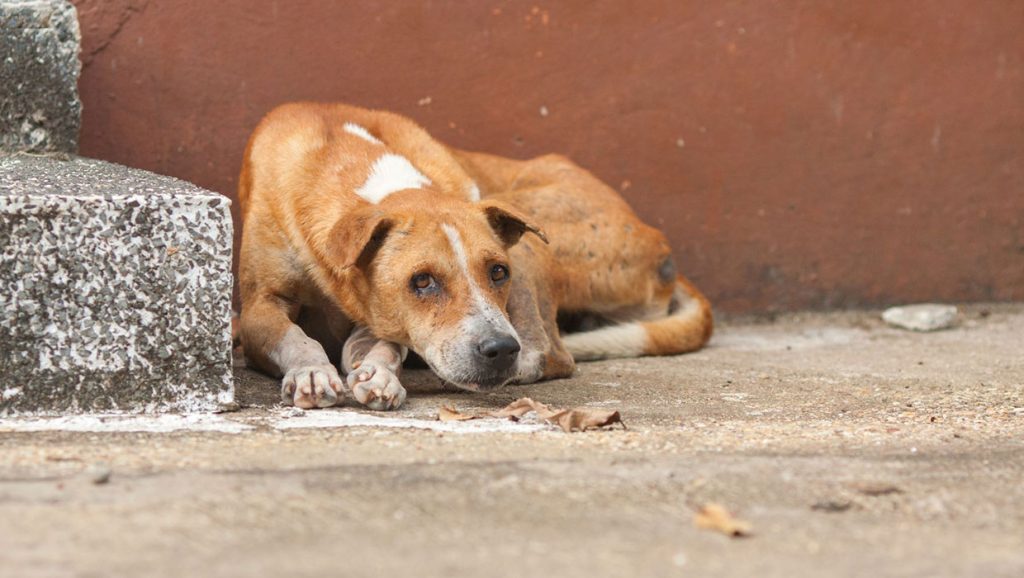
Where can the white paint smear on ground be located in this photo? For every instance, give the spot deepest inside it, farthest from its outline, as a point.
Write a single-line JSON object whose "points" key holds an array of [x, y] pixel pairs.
{"points": [[163, 423], [284, 419], [327, 418]]}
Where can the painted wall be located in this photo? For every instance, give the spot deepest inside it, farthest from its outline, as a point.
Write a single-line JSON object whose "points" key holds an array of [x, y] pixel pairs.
{"points": [[802, 153]]}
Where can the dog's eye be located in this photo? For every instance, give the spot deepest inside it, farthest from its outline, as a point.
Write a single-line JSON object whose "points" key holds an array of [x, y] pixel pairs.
{"points": [[499, 274], [423, 284]]}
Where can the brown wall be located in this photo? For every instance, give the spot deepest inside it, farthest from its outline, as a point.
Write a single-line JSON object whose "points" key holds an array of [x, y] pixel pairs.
{"points": [[798, 153]]}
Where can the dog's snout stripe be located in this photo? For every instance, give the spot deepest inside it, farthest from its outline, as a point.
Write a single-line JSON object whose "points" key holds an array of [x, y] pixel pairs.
{"points": [[455, 240], [483, 310]]}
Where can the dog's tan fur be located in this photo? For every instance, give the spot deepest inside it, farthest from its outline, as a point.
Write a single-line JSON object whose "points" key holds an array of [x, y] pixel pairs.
{"points": [[310, 241]]}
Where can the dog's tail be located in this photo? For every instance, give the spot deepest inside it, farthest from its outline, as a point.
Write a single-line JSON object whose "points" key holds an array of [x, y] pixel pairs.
{"points": [[687, 328]]}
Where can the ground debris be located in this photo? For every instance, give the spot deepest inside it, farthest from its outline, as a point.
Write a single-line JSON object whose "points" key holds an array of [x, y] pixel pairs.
{"points": [[570, 420], [448, 413], [715, 517], [228, 407], [876, 488], [577, 419], [832, 505]]}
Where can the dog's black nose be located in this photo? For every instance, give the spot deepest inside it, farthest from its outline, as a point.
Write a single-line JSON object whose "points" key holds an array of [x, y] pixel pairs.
{"points": [[499, 352]]}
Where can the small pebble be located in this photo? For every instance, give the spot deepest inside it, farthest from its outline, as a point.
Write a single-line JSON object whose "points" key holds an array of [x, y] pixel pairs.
{"points": [[292, 411], [99, 474], [228, 407]]}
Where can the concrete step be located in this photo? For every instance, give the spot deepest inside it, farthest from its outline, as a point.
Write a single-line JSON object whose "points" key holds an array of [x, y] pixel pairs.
{"points": [[115, 290], [39, 67]]}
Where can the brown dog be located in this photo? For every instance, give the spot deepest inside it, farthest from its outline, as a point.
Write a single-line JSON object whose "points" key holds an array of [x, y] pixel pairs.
{"points": [[359, 221]]}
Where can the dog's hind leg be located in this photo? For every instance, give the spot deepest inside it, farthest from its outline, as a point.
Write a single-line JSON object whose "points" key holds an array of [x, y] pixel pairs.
{"points": [[372, 366], [686, 327]]}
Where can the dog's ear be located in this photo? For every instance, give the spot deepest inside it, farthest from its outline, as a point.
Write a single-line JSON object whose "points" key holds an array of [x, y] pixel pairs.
{"points": [[355, 238], [508, 223]]}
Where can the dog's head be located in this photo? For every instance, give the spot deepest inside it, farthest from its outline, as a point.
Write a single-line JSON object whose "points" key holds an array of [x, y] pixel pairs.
{"points": [[433, 274]]}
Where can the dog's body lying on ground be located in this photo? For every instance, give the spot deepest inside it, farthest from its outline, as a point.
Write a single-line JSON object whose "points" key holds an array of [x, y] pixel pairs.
{"points": [[360, 221]]}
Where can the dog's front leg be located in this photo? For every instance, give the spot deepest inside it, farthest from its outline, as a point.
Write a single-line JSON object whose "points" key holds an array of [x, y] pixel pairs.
{"points": [[533, 314], [373, 366], [274, 343]]}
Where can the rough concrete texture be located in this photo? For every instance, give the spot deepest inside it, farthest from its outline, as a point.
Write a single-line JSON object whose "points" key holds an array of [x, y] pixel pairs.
{"points": [[853, 448], [115, 289], [39, 106]]}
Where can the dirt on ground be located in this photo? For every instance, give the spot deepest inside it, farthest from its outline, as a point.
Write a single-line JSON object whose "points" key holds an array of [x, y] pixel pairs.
{"points": [[850, 448]]}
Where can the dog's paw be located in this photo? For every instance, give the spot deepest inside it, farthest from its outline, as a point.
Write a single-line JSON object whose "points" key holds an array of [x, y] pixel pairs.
{"points": [[376, 387], [529, 368], [311, 386]]}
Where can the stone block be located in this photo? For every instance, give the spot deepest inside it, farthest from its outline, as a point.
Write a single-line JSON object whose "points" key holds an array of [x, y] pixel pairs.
{"points": [[39, 106], [115, 290]]}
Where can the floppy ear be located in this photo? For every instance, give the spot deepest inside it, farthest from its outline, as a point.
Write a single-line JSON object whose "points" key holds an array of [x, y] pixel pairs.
{"points": [[355, 238], [509, 224]]}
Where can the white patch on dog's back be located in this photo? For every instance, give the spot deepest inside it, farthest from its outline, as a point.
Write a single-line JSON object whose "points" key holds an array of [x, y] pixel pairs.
{"points": [[353, 128], [391, 173], [473, 192]]}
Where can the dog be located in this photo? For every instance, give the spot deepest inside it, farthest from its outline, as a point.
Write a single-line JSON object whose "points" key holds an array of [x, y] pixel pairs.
{"points": [[364, 234]]}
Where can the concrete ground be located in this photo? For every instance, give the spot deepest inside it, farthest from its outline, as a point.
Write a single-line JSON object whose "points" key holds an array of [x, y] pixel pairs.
{"points": [[854, 449]]}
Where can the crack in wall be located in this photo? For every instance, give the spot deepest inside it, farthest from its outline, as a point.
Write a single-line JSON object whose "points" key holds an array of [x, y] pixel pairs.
{"points": [[97, 13]]}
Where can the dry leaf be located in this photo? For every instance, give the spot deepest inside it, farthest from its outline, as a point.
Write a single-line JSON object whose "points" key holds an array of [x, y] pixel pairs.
{"points": [[516, 409], [570, 420], [584, 419], [715, 517], [447, 413]]}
